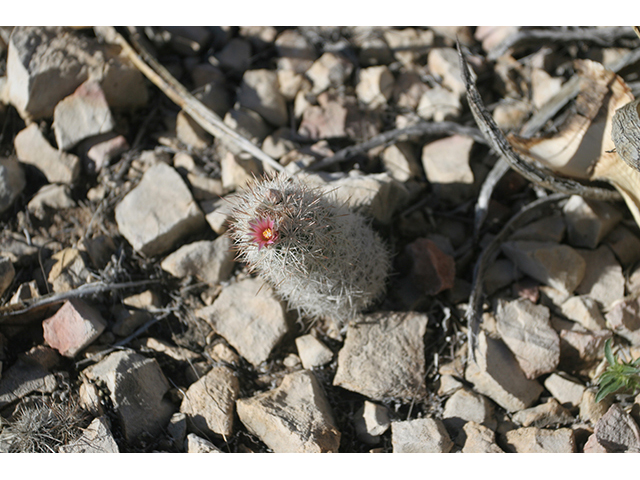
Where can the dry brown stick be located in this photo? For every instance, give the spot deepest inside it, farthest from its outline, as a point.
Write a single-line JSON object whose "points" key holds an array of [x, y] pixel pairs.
{"points": [[207, 119], [474, 309], [498, 142], [599, 36], [397, 135]]}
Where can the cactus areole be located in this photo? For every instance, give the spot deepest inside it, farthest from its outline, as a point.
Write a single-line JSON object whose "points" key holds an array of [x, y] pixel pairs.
{"points": [[324, 259]]}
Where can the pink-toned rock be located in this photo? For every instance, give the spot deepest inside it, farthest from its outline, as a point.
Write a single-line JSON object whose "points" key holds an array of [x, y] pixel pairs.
{"points": [[616, 431], [73, 327], [433, 270], [328, 120], [593, 446], [98, 152]]}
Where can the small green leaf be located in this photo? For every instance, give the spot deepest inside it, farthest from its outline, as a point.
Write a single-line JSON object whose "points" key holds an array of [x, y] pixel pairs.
{"points": [[608, 353]]}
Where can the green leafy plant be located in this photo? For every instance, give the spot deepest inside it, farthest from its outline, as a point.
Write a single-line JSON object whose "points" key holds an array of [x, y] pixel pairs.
{"points": [[620, 376]]}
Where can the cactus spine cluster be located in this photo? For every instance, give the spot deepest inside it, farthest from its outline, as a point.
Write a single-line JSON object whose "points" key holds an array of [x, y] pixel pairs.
{"points": [[324, 259]]}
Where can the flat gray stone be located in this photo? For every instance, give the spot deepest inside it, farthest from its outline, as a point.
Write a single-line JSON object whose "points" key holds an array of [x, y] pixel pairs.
{"points": [[292, 418], [617, 431], [547, 229], [624, 244], [496, 374], [558, 266], [136, 387], [83, 114], [423, 435], [467, 406], [209, 403], [158, 212], [584, 310], [209, 261], [566, 390], [548, 414], [249, 317], [383, 356], [32, 148], [527, 331]]}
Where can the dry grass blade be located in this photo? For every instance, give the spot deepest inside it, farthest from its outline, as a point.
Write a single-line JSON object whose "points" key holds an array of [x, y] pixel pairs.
{"points": [[161, 77]]}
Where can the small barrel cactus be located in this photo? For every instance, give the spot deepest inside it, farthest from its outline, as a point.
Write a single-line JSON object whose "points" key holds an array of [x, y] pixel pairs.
{"points": [[324, 259]]}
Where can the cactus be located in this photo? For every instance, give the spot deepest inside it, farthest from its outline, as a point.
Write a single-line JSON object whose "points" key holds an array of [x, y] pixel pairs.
{"points": [[324, 259]]}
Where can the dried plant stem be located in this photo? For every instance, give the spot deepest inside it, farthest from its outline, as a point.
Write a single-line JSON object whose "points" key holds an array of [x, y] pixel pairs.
{"points": [[173, 89], [526, 215]]}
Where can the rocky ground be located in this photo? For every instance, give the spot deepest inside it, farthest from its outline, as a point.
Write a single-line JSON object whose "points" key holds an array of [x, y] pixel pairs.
{"points": [[126, 324]]}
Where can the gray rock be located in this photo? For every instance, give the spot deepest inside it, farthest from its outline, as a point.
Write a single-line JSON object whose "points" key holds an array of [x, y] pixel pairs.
{"points": [[603, 279], [208, 261], [624, 320], [293, 418], [589, 221], [50, 197], [401, 162], [439, 104], [582, 347], [446, 164], [538, 440], [260, 92], [209, 403], [375, 86], [548, 414], [32, 148], [98, 152], [217, 212], [383, 356], [500, 274], [467, 406], [81, 115], [526, 330], [444, 63], [496, 374], [22, 379], [625, 245], [558, 266], [12, 182], [158, 212], [235, 55], [547, 229], [247, 123], [73, 327], [238, 170], [423, 435], [295, 52], [371, 421], [249, 317], [590, 410], [7, 273], [67, 269], [376, 195], [585, 311], [566, 390], [196, 444], [616, 431], [330, 70], [96, 438], [136, 387], [479, 439], [312, 352], [408, 44]]}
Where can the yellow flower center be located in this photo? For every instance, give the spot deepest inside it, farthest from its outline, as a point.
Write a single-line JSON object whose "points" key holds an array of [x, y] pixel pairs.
{"points": [[267, 234]]}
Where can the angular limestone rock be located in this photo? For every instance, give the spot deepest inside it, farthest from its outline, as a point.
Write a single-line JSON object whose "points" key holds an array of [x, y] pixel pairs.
{"points": [[260, 92], [479, 439], [497, 375], [208, 261], [527, 331], [313, 353], [603, 279], [34, 149], [538, 440], [446, 164], [548, 414], [83, 114], [467, 406], [616, 431], [589, 221], [136, 387], [375, 86], [423, 435], [209, 403], [383, 356], [96, 438], [249, 317], [294, 417], [23, 378], [624, 320], [558, 266], [584, 310], [158, 211]]}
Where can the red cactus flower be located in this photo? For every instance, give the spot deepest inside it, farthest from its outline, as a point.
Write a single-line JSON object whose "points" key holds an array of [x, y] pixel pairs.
{"points": [[263, 232]]}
